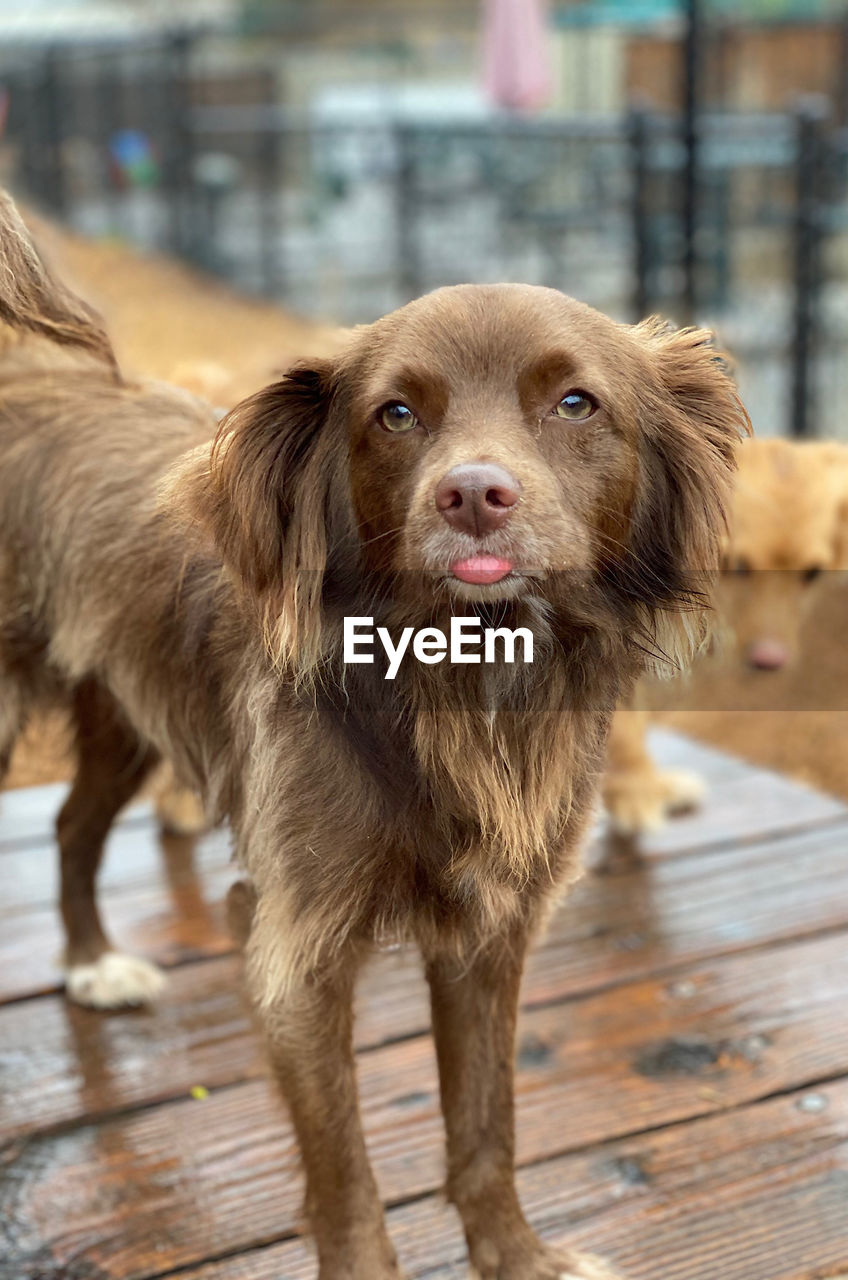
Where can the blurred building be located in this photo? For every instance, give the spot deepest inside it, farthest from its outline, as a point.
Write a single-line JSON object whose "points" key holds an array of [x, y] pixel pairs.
{"points": [[46, 21]]}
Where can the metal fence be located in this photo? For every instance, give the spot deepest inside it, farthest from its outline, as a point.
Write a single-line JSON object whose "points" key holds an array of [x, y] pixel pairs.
{"points": [[346, 219]]}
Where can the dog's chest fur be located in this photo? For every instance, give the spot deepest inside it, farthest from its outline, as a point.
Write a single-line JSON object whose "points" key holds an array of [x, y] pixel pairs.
{"points": [[466, 795]]}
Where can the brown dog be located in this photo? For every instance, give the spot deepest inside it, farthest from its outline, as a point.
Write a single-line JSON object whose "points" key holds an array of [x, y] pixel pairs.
{"points": [[503, 453]]}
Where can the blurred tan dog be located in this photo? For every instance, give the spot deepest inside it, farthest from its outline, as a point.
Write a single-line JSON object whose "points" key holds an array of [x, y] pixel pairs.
{"points": [[789, 527]]}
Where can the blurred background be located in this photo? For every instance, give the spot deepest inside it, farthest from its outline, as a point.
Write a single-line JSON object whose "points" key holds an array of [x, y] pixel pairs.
{"points": [[342, 156], [231, 180]]}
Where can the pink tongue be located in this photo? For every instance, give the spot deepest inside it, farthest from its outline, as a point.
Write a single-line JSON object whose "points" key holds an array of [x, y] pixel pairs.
{"points": [[479, 570]]}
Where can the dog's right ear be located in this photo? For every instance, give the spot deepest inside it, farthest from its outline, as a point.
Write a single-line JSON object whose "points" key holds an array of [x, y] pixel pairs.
{"points": [[263, 493]]}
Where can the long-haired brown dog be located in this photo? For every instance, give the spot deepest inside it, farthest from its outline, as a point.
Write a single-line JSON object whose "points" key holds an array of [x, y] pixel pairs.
{"points": [[500, 451]]}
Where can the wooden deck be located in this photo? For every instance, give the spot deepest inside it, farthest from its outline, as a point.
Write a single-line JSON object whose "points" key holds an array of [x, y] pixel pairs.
{"points": [[683, 1064]]}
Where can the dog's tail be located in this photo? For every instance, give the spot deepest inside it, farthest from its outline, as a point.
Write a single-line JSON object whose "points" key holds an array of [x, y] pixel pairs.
{"points": [[32, 300]]}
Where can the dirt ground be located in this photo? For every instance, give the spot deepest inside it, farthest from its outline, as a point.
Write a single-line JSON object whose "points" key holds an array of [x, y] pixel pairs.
{"points": [[167, 321]]}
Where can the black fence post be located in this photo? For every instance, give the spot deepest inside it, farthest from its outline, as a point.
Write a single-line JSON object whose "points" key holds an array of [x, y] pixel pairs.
{"points": [[841, 87], [807, 265], [638, 137], [180, 153], [406, 268], [270, 232], [691, 167], [108, 118], [54, 192], [26, 103]]}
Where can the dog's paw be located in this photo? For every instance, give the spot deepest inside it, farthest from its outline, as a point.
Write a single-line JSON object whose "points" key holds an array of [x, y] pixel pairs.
{"points": [[114, 981], [639, 803], [684, 791]]}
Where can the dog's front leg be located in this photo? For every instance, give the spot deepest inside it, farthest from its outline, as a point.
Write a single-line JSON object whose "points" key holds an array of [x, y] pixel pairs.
{"points": [[310, 1039], [475, 1004]]}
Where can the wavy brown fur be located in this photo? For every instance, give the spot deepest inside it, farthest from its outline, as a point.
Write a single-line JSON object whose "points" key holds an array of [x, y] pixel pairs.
{"points": [[185, 596]]}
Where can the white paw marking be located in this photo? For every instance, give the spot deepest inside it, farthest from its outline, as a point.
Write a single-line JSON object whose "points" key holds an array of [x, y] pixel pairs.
{"points": [[113, 981], [642, 808]]}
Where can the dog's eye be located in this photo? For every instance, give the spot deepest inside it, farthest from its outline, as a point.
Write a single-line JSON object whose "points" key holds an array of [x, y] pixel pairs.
{"points": [[396, 417], [810, 575], [575, 407]]}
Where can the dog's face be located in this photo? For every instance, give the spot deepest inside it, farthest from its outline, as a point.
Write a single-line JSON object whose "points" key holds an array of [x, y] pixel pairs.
{"points": [[789, 532], [491, 449], [484, 444]]}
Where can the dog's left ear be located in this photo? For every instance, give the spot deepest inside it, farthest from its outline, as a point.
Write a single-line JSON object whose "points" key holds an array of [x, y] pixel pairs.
{"points": [[691, 422], [265, 494]]}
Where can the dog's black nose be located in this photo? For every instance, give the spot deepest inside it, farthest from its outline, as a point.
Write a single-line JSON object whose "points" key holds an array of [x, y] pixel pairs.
{"points": [[477, 497]]}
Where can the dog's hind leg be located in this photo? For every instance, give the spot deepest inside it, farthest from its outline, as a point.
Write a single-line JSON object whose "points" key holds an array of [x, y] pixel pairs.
{"points": [[112, 764]]}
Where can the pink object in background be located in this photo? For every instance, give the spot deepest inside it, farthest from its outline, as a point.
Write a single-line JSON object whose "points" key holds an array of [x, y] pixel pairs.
{"points": [[517, 65]]}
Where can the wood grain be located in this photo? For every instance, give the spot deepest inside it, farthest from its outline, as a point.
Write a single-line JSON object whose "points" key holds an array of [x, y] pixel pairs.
{"points": [[682, 1064], [136, 857], [162, 898], [612, 930], [28, 814], [757, 1193], [743, 803], [183, 1181]]}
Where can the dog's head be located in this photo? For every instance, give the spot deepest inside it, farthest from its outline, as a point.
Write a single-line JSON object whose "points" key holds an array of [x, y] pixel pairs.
{"points": [[482, 446], [789, 533]]}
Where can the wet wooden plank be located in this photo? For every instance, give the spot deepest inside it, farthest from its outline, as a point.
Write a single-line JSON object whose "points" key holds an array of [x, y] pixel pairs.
{"points": [[612, 930], [743, 803], [136, 857], [738, 792], [28, 814], [168, 928], [138, 860], [753, 1194], [178, 1183], [161, 895], [163, 900], [61, 1063], [664, 912]]}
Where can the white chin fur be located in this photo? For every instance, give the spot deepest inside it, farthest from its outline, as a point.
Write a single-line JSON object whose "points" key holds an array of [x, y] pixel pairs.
{"points": [[113, 981]]}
